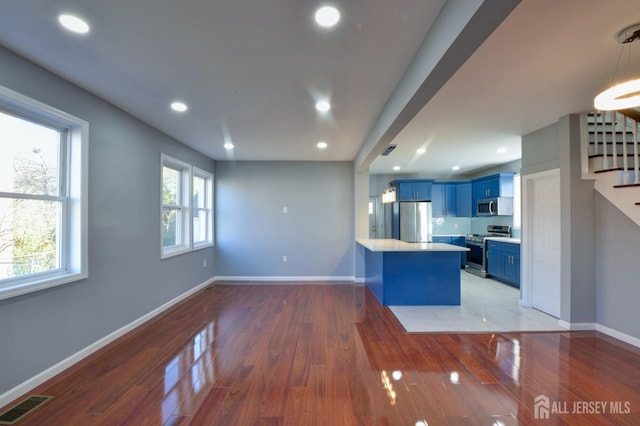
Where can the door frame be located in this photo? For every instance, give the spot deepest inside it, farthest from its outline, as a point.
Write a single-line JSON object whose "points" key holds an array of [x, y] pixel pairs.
{"points": [[526, 247]]}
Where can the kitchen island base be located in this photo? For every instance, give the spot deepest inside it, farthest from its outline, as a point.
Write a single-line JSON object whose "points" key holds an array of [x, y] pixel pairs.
{"points": [[429, 275]]}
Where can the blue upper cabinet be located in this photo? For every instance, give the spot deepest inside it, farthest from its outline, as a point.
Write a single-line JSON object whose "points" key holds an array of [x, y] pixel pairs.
{"points": [[443, 200], [497, 185], [463, 199], [413, 189]]}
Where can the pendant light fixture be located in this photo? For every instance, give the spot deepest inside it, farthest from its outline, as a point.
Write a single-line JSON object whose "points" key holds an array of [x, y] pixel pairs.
{"points": [[626, 94]]}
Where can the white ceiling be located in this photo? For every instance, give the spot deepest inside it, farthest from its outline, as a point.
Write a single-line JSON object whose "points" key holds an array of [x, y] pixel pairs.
{"points": [[251, 72]]}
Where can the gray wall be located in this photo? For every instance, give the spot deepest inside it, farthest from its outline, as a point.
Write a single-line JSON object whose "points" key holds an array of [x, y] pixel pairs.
{"points": [[510, 167], [558, 146], [540, 150], [253, 233], [361, 205], [127, 278], [617, 291], [577, 227]]}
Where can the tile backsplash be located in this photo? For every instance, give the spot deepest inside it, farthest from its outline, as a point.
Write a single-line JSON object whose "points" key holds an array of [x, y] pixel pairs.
{"points": [[451, 226], [470, 225]]}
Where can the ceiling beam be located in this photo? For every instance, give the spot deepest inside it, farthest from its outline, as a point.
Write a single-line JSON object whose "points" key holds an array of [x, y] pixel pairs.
{"points": [[461, 27]]}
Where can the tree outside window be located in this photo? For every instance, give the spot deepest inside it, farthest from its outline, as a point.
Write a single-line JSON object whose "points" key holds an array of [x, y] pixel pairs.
{"points": [[31, 203]]}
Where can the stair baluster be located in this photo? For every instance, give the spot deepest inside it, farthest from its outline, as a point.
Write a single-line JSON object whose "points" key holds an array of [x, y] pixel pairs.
{"points": [[614, 138], [625, 165], [636, 165], [604, 141]]}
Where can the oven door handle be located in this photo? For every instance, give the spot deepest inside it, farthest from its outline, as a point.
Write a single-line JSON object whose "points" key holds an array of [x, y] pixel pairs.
{"points": [[473, 243]]}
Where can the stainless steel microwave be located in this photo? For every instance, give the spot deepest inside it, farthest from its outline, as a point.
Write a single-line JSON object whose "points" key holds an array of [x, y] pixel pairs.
{"points": [[496, 206]]}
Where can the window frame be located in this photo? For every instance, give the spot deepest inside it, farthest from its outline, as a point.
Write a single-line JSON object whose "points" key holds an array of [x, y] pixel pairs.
{"points": [[72, 193], [183, 224], [187, 208], [208, 207]]}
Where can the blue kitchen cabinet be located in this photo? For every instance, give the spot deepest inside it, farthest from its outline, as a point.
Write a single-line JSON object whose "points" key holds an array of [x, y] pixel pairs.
{"points": [[496, 185], [503, 262], [495, 260], [454, 240], [459, 241], [463, 199], [443, 199], [511, 254], [441, 239], [413, 189]]}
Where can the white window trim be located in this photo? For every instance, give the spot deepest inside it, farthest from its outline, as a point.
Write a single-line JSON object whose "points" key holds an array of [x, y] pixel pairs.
{"points": [[185, 207], [74, 257], [208, 177]]}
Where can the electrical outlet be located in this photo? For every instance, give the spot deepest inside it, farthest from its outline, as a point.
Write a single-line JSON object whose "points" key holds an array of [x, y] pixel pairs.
{"points": [[204, 263], [284, 258], [285, 210]]}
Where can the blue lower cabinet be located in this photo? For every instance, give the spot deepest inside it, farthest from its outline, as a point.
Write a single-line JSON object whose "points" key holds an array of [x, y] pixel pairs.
{"points": [[456, 241], [459, 241], [495, 260], [441, 239], [503, 262]]}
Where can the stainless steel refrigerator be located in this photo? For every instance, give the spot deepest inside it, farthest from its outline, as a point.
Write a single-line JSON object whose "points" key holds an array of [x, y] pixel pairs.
{"points": [[415, 221]]}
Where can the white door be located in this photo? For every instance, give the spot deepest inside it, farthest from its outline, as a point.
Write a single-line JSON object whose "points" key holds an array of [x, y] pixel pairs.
{"points": [[545, 268]]}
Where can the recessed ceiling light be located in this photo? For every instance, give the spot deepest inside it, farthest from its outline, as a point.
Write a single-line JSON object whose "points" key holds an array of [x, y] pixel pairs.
{"points": [[73, 23], [228, 145], [396, 168], [327, 16], [179, 106], [502, 150], [454, 168], [322, 145], [421, 151], [323, 106]]}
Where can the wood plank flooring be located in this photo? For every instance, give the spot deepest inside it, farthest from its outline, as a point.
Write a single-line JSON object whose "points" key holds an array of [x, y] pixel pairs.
{"points": [[331, 355]]}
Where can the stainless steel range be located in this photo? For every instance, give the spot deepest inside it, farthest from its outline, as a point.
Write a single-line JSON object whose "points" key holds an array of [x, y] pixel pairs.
{"points": [[477, 245]]}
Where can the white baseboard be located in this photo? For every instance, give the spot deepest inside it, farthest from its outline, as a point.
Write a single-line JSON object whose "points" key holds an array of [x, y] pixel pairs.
{"points": [[618, 335], [577, 326], [244, 280], [58, 368], [587, 326]]}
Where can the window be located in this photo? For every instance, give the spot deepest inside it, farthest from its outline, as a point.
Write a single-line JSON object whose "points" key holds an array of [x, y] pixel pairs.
{"points": [[202, 208], [187, 207], [176, 223], [43, 196]]}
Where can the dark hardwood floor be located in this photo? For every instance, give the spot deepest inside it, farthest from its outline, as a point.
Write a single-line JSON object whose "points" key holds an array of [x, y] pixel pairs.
{"points": [[331, 355]]}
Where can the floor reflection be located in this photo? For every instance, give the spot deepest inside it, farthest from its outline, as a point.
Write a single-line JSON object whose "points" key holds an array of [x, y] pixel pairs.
{"points": [[191, 373]]}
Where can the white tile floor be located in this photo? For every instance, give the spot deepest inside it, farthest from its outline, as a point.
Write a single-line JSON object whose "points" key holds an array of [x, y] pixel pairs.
{"points": [[487, 305]]}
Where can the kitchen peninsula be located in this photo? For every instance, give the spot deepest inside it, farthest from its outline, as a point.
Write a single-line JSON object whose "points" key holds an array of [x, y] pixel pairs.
{"points": [[402, 273]]}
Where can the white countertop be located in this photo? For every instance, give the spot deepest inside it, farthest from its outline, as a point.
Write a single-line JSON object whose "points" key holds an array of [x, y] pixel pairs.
{"points": [[505, 239], [397, 245]]}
